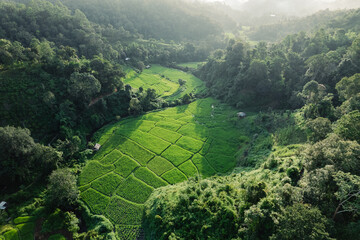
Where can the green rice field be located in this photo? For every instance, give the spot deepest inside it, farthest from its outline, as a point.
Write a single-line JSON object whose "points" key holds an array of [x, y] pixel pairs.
{"points": [[165, 81], [24, 228], [139, 154]]}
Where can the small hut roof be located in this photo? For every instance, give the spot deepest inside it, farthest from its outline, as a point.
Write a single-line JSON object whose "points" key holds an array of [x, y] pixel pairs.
{"points": [[2, 205], [97, 146]]}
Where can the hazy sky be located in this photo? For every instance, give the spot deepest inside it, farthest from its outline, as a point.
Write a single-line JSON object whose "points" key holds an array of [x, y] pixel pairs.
{"points": [[288, 7]]}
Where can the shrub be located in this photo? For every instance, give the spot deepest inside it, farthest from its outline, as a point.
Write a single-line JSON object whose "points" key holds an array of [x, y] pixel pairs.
{"points": [[294, 174], [62, 190], [348, 126], [301, 221]]}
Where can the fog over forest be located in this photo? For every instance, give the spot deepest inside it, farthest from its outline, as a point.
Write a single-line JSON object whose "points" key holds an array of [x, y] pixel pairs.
{"points": [[287, 7]]}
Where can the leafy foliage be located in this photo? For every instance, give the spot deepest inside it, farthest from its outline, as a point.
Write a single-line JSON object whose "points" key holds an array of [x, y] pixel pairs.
{"points": [[62, 190]]}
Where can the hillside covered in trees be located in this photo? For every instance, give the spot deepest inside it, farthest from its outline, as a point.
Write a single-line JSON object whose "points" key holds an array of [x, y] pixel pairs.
{"points": [[121, 120]]}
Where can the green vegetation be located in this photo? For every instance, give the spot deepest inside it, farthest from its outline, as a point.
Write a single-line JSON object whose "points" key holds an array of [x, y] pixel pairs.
{"points": [[107, 184], [190, 144], [150, 178], [125, 166], [193, 65], [177, 158], [124, 212], [96, 201], [134, 190], [159, 165], [165, 82], [188, 168], [174, 176], [57, 237], [158, 157], [176, 155], [92, 171], [167, 135]]}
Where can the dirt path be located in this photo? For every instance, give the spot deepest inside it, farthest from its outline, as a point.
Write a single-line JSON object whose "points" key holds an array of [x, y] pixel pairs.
{"points": [[92, 102]]}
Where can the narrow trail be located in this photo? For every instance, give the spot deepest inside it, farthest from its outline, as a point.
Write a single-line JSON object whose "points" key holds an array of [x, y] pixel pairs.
{"points": [[92, 102]]}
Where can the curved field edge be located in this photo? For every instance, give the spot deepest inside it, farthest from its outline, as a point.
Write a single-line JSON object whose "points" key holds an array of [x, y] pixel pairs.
{"points": [[165, 81], [140, 154]]}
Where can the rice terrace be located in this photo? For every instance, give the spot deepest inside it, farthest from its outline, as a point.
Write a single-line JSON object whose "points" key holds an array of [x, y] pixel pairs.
{"points": [[154, 150]]}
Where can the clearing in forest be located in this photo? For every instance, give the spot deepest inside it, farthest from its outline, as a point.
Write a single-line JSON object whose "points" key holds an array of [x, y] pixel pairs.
{"points": [[156, 149], [165, 81]]}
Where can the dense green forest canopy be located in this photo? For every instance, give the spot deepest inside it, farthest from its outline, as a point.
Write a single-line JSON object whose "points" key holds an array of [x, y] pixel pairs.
{"points": [[140, 77]]}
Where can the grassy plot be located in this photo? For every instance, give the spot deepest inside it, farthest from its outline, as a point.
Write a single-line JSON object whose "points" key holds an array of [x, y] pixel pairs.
{"points": [[193, 84], [173, 126], [57, 237], [25, 219], [159, 165], [151, 142], [195, 131], [136, 151], [149, 177], [92, 171], [96, 201], [125, 166], [124, 212], [221, 163], [26, 229], [174, 176], [107, 184], [12, 235], [165, 81], [111, 157], [188, 168], [190, 144], [167, 135], [151, 79], [130, 126], [156, 149], [127, 232], [205, 169], [176, 155], [134, 190]]}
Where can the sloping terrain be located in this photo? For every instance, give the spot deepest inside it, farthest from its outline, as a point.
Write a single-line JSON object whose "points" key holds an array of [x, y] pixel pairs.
{"points": [[165, 81], [157, 149]]}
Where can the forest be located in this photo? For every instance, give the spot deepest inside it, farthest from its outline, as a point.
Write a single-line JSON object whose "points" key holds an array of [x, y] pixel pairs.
{"points": [[178, 119]]}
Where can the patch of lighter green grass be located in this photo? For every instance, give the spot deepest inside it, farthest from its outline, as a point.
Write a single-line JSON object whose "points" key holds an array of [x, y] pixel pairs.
{"points": [[193, 65]]}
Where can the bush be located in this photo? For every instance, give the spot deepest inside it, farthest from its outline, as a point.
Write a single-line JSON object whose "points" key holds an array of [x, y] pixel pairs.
{"points": [[348, 126], [301, 221], [62, 190], [294, 174], [320, 128]]}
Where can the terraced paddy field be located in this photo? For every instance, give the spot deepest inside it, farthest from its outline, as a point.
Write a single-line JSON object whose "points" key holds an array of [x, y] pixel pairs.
{"points": [[156, 149], [165, 81]]}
